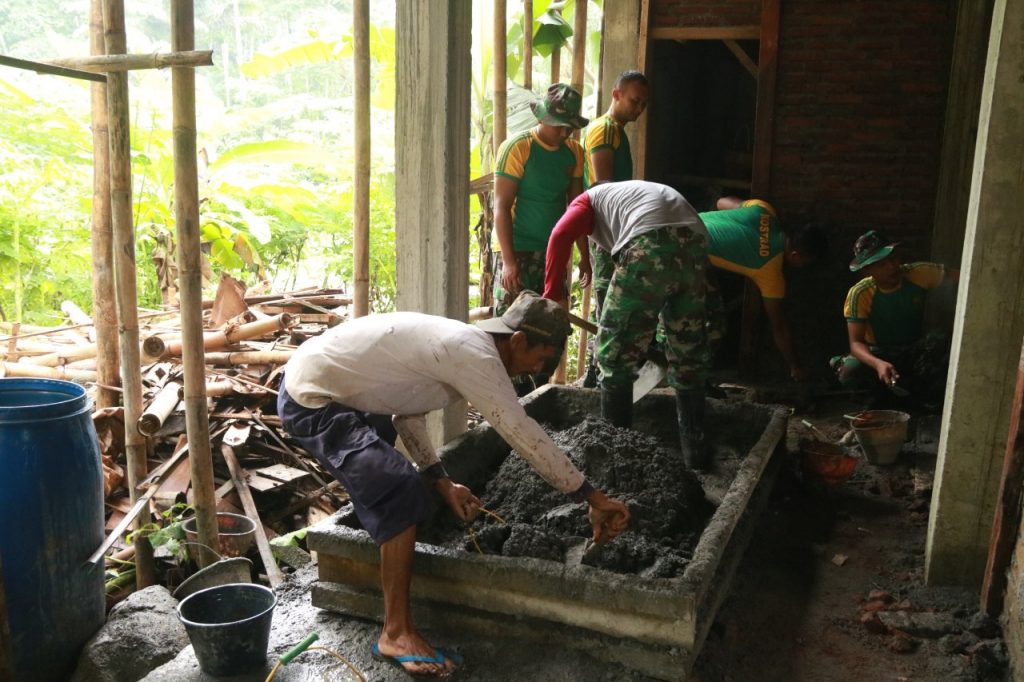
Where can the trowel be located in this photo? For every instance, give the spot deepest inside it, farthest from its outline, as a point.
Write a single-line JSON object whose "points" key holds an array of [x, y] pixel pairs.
{"points": [[649, 376], [577, 552]]}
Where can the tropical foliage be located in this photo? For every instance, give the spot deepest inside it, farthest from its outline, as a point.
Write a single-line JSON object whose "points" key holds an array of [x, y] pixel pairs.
{"points": [[275, 140]]}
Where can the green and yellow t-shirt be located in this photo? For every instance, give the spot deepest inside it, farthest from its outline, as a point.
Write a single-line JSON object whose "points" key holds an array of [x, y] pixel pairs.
{"points": [[605, 132], [543, 174], [893, 318], [749, 241]]}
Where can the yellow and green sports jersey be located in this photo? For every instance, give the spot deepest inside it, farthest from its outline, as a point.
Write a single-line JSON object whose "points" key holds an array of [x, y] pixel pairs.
{"points": [[605, 133], [894, 318], [749, 241], [543, 174]]}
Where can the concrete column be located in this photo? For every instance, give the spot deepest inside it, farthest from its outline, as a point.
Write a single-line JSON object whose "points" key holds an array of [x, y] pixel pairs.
{"points": [[989, 323], [432, 165], [621, 28]]}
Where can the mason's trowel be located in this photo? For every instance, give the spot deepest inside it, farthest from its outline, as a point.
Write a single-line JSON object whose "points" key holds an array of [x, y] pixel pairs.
{"points": [[649, 376], [580, 550]]}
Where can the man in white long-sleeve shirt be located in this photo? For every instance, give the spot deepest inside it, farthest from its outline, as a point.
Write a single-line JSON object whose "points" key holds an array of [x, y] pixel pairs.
{"points": [[343, 386]]}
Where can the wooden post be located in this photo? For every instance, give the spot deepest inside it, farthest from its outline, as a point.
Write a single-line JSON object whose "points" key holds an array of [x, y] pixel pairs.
{"points": [[579, 43], [124, 249], [528, 44], [643, 49], [500, 75], [190, 280], [760, 183], [361, 202], [1008, 512], [104, 310]]}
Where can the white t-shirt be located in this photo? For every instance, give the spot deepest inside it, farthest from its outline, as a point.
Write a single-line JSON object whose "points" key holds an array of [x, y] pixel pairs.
{"points": [[407, 364], [624, 210]]}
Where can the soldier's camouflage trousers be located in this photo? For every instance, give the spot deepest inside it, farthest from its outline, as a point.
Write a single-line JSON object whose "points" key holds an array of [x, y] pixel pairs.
{"points": [[531, 275], [659, 277]]}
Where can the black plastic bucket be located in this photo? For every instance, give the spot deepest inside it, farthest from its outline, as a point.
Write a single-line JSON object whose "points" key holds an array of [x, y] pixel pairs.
{"points": [[229, 626]]}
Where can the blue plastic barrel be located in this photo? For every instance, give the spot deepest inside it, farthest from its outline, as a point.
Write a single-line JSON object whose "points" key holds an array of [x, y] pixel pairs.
{"points": [[51, 520]]}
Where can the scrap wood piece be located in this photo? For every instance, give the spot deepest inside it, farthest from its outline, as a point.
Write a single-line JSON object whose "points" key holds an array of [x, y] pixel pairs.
{"points": [[232, 335], [249, 357], [175, 483], [229, 300], [238, 476], [275, 476]]}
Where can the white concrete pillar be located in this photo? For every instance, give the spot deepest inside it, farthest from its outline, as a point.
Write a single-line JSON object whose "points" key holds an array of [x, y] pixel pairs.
{"points": [[433, 84], [990, 320]]}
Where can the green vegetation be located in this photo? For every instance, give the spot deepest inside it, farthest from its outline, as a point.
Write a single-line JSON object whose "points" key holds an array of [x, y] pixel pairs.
{"points": [[274, 134]]}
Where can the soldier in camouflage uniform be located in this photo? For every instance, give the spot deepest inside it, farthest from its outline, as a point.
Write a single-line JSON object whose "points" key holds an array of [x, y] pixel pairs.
{"points": [[659, 246]]}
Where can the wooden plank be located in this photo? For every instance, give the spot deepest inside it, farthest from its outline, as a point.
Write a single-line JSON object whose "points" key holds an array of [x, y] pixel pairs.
{"points": [[1006, 526], [269, 478], [709, 32], [177, 482], [238, 476], [741, 55]]}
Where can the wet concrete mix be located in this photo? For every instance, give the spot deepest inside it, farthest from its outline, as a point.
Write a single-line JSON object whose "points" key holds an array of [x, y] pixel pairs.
{"points": [[666, 501]]}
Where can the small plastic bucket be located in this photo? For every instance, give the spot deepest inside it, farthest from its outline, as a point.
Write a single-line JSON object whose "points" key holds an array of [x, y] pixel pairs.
{"points": [[881, 434], [236, 533], [229, 626], [826, 462]]}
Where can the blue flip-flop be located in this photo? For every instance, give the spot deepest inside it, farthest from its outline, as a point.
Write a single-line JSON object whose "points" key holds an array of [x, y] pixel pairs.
{"points": [[439, 657]]}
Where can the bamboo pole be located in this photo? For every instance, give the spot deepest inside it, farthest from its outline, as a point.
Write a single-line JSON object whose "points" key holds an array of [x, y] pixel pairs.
{"points": [[579, 43], [361, 200], [40, 67], [22, 369], [528, 44], [104, 308], [500, 75], [190, 282], [251, 357], [160, 408], [132, 62], [124, 248], [226, 337], [66, 356], [581, 351], [556, 65]]}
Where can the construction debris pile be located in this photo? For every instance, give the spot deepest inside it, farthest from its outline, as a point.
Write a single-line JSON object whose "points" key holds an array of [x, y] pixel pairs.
{"points": [[256, 471]]}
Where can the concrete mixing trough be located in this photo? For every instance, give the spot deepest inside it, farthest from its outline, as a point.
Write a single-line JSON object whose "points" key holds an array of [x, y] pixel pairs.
{"points": [[655, 626]]}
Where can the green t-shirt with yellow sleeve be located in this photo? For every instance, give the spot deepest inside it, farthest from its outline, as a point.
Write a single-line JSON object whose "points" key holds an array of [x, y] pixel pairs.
{"points": [[605, 133], [543, 175], [749, 241]]}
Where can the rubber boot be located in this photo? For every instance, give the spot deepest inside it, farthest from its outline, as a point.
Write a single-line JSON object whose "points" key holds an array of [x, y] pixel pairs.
{"points": [[690, 415], [617, 406]]}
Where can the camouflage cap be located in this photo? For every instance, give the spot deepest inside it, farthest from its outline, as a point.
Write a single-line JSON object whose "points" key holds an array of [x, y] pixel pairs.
{"points": [[540, 317], [560, 107], [871, 247]]}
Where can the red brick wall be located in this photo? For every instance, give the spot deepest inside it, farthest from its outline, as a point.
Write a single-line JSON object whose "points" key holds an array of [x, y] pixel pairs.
{"points": [[705, 12], [859, 109]]}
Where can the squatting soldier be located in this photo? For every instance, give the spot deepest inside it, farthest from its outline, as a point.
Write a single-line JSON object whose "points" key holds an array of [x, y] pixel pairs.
{"points": [[659, 246], [885, 322]]}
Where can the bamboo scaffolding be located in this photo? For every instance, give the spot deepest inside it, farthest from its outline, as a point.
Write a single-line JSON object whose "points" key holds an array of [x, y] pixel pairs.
{"points": [[160, 408], [227, 337], [190, 282], [361, 199], [500, 75], [528, 44], [115, 63], [124, 251]]}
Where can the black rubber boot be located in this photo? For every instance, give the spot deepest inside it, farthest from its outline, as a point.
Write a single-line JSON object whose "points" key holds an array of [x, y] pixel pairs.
{"points": [[617, 406], [690, 415]]}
